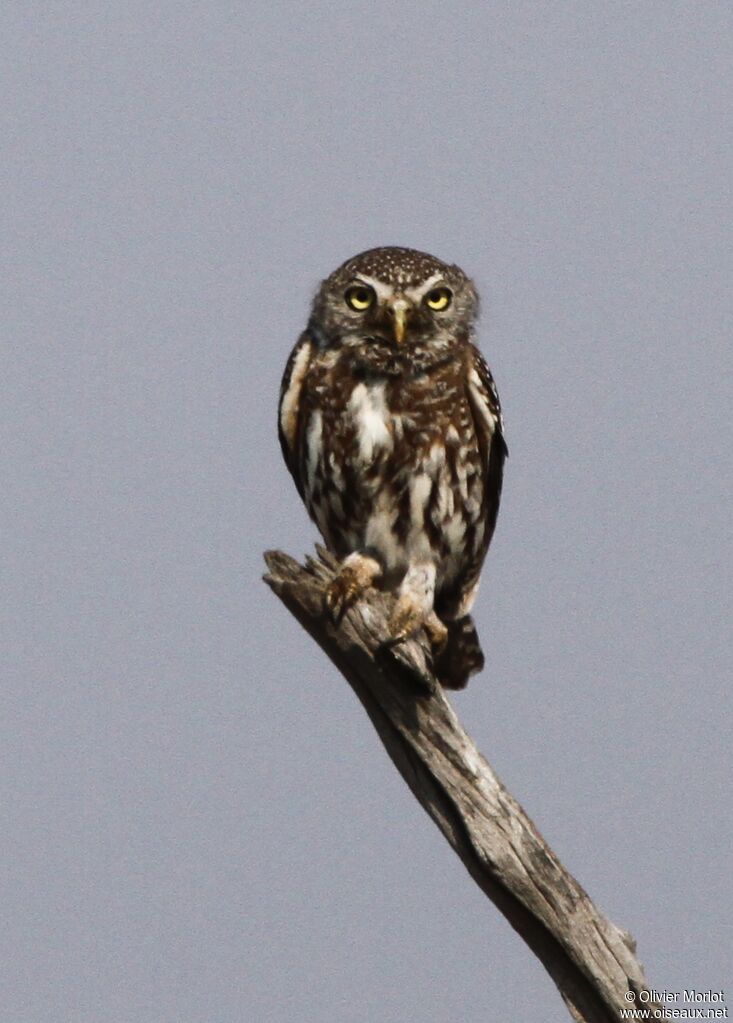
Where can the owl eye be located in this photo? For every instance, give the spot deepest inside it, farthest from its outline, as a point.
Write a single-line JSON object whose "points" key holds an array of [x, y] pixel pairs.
{"points": [[439, 299], [359, 297]]}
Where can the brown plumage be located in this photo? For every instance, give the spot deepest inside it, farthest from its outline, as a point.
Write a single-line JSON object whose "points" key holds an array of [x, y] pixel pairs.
{"points": [[391, 426]]}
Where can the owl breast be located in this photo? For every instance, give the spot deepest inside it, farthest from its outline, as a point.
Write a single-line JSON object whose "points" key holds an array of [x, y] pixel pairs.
{"points": [[392, 466]]}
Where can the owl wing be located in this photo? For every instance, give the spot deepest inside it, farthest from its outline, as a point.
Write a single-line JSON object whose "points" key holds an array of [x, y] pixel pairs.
{"points": [[290, 409], [489, 426]]}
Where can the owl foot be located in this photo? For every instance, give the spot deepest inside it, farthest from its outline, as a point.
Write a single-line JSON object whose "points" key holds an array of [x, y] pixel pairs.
{"points": [[357, 573], [408, 616], [414, 607], [437, 633]]}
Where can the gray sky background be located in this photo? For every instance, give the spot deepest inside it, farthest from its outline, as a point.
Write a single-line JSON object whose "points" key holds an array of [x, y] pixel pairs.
{"points": [[198, 823]]}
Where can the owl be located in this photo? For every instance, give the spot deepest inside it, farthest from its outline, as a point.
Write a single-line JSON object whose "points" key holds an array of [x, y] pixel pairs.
{"points": [[390, 424]]}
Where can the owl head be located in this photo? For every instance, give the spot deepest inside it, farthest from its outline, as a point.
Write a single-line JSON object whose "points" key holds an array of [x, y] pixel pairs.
{"points": [[391, 307]]}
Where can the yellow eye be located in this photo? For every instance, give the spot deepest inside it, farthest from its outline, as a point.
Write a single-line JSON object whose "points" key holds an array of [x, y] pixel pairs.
{"points": [[438, 299], [359, 297]]}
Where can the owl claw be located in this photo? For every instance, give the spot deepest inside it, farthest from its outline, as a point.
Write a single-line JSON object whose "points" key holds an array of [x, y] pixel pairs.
{"points": [[437, 633], [355, 576], [408, 616], [342, 592], [414, 607]]}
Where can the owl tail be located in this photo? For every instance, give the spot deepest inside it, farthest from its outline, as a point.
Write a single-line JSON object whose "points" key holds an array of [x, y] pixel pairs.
{"points": [[461, 656]]}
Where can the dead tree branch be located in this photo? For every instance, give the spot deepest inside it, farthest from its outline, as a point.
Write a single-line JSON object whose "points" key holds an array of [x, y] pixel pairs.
{"points": [[592, 962]]}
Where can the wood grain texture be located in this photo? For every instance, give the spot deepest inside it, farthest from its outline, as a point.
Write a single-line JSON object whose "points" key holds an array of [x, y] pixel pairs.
{"points": [[592, 962]]}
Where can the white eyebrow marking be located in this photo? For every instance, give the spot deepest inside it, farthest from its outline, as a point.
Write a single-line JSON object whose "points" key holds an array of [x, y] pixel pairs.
{"points": [[383, 291], [417, 293]]}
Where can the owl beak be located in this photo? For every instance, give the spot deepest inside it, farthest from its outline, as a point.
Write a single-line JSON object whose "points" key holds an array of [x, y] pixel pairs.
{"points": [[398, 310]]}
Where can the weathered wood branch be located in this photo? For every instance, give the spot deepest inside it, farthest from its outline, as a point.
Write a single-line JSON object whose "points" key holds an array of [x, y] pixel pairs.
{"points": [[592, 962]]}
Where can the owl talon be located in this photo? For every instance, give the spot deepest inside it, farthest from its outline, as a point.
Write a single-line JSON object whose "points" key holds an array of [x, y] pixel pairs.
{"points": [[357, 573], [437, 633], [342, 592], [408, 616]]}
